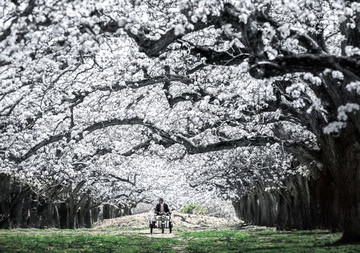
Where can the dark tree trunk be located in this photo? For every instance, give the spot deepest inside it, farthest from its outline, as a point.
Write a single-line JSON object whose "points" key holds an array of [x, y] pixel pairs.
{"points": [[87, 213], [347, 178], [95, 213], [15, 214], [106, 211], [72, 216], [341, 159], [63, 216], [88, 218]]}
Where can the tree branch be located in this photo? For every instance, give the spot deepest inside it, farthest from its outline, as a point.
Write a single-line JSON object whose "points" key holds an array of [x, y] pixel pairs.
{"points": [[305, 63]]}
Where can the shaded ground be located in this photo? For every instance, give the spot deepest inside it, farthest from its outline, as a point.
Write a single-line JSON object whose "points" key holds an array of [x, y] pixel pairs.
{"points": [[193, 233]]}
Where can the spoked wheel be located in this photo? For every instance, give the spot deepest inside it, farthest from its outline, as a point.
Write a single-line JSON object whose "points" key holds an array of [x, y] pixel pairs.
{"points": [[162, 228]]}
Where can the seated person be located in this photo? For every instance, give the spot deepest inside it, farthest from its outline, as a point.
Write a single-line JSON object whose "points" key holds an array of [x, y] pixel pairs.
{"points": [[162, 207]]}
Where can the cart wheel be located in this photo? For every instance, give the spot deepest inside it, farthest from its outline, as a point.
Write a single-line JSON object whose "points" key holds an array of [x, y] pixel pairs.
{"points": [[162, 228], [170, 227]]}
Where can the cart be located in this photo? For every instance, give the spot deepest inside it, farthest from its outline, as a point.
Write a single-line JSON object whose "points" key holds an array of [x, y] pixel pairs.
{"points": [[161, 221]]}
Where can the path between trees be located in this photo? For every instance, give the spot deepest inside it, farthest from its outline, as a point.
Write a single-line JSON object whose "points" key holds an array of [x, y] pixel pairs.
{"points": [[139, 224], [192, 233]]}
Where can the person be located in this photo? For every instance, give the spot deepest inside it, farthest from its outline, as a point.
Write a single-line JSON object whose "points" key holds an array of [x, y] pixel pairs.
{"points": [[162, 207]]}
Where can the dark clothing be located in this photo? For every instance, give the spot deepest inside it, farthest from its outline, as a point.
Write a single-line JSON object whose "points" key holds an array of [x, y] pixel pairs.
{"points": [[166, 208]]}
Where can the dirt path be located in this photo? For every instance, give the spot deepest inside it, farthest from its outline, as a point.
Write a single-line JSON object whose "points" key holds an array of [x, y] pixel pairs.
{"points": [[138, 224], [191, 221]]}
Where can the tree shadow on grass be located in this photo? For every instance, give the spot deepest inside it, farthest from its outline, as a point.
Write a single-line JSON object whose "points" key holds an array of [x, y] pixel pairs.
{"points": [[297, 247], [342, 242], [295, 241], [308, 232]]}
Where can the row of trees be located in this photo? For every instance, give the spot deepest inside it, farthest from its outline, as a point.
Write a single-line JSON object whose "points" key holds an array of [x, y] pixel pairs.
{"points": [[90, 86], [22, 207]]}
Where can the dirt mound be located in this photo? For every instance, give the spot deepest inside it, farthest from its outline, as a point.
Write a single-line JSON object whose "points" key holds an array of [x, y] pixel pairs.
{"points": [[138, 221]]}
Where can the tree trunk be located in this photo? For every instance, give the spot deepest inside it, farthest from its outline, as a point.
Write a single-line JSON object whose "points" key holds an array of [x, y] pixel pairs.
{"points": [[348, 183], [16, 213], [87, 213], [72, 215], [88, 218], [63, 215], [341, 158], [95, 214], [106, 211]]}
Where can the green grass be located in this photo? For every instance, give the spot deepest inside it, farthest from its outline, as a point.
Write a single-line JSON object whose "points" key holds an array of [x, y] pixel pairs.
{"points": [[192, 208], [265, 241], [81, 243], [106, 240]]}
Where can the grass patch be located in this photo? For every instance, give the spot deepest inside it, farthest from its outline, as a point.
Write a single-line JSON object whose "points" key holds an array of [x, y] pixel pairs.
{"points": [[82, 243], [265, 241], [194, 208], [96, 240]]}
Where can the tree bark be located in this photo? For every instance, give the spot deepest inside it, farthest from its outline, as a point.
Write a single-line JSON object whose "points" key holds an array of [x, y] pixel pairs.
{"points": [[347, 177], [72, 215], [63, 216]]}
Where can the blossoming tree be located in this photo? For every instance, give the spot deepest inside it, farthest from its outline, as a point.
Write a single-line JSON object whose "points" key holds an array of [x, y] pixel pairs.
{"points": [[108, 79]]}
